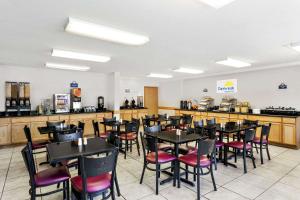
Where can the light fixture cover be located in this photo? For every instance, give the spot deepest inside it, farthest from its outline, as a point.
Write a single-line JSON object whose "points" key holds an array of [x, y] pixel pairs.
{"points": [[233, 63], [154, 75], [295, 46], [98, 31], [67, 67], [188, 70], [79, 56], [216, 3]]}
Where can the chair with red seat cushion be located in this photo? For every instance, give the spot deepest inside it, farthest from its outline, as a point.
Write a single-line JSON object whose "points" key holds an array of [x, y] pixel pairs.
{"points": [[245, 146], [47, 177], [201, 160], [97, 177], [130, 136], [263, 141], [97, 131], [34, 146], [155, 157]]}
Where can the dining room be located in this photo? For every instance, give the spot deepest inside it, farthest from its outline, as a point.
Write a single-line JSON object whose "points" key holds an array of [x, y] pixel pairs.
{"points": [[149, 100]]}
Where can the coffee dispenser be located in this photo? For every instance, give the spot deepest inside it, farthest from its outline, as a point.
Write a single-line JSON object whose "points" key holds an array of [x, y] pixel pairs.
{"points": [[76, 99], [101, 103]]}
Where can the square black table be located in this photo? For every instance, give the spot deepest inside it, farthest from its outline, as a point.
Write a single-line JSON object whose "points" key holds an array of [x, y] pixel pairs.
{"points": [[70, 150], [172, 137]]}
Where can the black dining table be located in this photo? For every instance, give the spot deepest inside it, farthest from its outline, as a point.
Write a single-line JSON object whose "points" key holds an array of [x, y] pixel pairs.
{"points": [[116, 125], [176, 140]]}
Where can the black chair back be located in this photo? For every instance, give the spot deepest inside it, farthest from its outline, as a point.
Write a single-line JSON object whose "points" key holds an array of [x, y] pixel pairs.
{"points": [[91, 167], [174, 122], [265, 131], [146, 122], [187, 119], [149, 116], [68, 137], [205, 147], [149, 144], [190, 130], [160, 116], [211, 132], [230, 125], [198, 124], [249, 135], [132, 126], [81, 125], [56, 124], [153, 129], [96, 128], [250, 122], [28, 134], [29, 162], [211, 121], [114, 119]]}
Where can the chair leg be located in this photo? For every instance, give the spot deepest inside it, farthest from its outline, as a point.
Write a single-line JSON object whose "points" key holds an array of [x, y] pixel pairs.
{"points": [[256, 148], [174, 175], [68, 189], [194, 174], [186, 172], [33, 193], [225, 155], [252, 158], [112, 192], [244, 161], [267, 148], [235, 155], [130, 145], [198, 183], [138, 146], [126, 148], [143, 172], [177, 172], [117, 185], [156, 179], [215, 160], [213, 178], [64, 190], [261, 154]]}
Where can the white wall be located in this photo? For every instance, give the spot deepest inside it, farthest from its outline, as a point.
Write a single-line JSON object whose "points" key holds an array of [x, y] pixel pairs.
{"points": [[136, 87], [46, 82], [260, 88]]}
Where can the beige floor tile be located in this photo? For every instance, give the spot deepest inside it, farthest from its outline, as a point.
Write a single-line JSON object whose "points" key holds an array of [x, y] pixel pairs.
{"points": [[224, 194], [14, 183], [178, 193], [135, 191], [291, 181], [280, 191], [153, 197]]}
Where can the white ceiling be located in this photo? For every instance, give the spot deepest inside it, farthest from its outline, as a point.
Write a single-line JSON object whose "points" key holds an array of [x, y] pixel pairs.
{"points": [[182, 32]]}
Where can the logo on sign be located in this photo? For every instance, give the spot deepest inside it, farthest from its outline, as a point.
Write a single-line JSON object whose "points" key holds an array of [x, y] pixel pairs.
{"points": [[227, 86]]}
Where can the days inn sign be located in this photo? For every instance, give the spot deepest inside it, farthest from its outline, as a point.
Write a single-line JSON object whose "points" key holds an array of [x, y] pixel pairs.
{"points": [[227, 86]]}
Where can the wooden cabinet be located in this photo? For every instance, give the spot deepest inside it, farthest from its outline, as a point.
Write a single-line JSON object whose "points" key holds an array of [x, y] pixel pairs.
{"points": [[35, 134], [289, 134], [5, 134], [276, 132], [17, 132]]}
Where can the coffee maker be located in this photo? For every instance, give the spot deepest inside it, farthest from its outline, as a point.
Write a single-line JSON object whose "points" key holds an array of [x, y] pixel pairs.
{"points": [[76, 99], [101, 103]]}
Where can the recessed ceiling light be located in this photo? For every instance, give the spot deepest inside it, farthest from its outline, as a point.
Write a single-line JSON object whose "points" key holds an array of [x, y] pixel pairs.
{"points": [[295, 46], [98, 31], [188, 70], [216, 3], [79, 56], [153, 75], [233, 63], [67, 67]]}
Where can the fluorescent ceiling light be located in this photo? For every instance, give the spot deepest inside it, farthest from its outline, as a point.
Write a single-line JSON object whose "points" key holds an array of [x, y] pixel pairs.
{"points": [[67, 67], [98, 31], [217, 3], [295, 46], [233, 63], [79, 56], [188, 70], [153, 75]]}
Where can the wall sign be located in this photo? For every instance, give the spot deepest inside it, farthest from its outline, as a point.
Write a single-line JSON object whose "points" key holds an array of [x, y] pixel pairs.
{"points": [[74, 84], [227, 86], [282, 86]]}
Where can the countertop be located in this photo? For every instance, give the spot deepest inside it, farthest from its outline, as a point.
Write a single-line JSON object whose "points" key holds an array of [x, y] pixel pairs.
{"points": [[269, 115], [35, 114], [138, 108]]}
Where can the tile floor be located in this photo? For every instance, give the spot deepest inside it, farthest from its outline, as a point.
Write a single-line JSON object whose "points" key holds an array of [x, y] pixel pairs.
{"points": [[278, 179]]}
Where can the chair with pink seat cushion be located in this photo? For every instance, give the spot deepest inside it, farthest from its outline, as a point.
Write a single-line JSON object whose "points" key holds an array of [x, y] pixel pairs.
{"points": [[44, 178], [155, 157], [263, 141], [34, 146], [245, 146], [97, 177], [200, 161]]}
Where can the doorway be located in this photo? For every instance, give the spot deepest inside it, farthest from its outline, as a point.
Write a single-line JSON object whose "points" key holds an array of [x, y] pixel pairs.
{"points": [[151, 99]]}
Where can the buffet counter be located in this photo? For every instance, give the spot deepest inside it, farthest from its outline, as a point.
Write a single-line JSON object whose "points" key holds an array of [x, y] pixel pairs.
{"points": [[285, 129], [11, 128], [137, 113]]}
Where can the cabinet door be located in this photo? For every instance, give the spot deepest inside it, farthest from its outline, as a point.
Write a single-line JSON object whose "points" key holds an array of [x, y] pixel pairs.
{"points": [[17, 132], [222, 120], [275, 133], [5, 134], [289, 134], [88, 127], [35, 134]]}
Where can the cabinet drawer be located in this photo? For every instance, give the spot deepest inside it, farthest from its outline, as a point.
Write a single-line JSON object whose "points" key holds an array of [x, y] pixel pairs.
{"points": [[21, 120], [39, 119], [53, 118], [5, 121], [233, 116], [289, 120], [265, 118]]}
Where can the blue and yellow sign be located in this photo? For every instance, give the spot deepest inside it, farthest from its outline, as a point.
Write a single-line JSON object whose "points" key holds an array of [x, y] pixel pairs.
{"points": [[227, 86]]}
